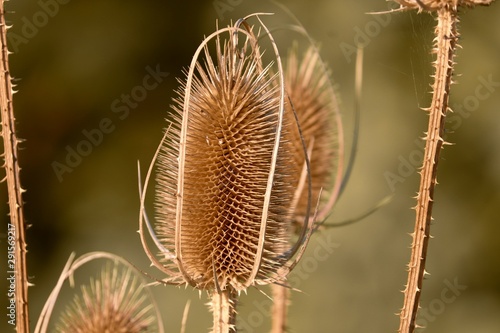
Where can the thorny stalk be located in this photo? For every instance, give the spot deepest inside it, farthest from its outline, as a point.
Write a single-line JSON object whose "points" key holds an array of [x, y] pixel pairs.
{"points": [[223, 306], [14, 189], [446, 37], [281, 301]]}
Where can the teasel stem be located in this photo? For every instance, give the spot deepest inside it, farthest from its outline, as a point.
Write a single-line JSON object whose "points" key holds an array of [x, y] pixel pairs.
{"points": [[281, 301], [445, 45], [14, 189], [446, 36], [224, 311], [185, 316]]}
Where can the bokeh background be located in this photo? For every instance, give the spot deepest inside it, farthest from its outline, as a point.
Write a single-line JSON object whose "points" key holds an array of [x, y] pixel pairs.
{"points": [[73, 62]]}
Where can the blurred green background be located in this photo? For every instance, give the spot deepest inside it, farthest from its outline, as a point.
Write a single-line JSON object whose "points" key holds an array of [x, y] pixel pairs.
{"points": [[75, 62]]}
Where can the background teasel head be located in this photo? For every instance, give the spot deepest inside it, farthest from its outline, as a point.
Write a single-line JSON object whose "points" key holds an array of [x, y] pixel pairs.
{"points": [[227, 171], [312, 98], [117, 300], [113, 302]]}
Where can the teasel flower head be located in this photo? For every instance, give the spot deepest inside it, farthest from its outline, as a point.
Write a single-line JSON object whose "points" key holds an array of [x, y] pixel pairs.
{"points": [[116, 301], [311, 96], [112, 303], [227, 171]]}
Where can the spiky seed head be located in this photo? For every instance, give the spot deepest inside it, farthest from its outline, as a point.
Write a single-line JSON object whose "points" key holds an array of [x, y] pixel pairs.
{"points": [[214, 169], [113, 303], [312, 98]]}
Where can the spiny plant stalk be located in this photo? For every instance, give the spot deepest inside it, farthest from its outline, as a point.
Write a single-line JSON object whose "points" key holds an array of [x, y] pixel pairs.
{"points": [[12, 176], [227, 176], [279, 311], [223, 307], [446, 36], [445, 43]]}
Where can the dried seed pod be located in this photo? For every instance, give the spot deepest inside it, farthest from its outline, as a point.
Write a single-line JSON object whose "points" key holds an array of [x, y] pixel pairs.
{"points": [[112, 303], [226, 171], [312, 97], [116, 301], [227, 176]]}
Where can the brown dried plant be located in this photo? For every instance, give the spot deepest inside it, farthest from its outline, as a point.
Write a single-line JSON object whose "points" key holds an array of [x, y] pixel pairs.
{"points": [[113, 303], [311, 96], [445, 44], [227, 175], [117, 301], [12, 177]]}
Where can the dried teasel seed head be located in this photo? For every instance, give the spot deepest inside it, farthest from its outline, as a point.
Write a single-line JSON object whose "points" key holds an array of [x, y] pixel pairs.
{"points": [[312, 97], [113, 303], [226, 172]]}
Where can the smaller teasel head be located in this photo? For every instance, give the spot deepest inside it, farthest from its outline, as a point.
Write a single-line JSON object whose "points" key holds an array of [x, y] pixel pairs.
{"points": [[115, 301], [310, 95], [111, 303], [227, 170]]}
